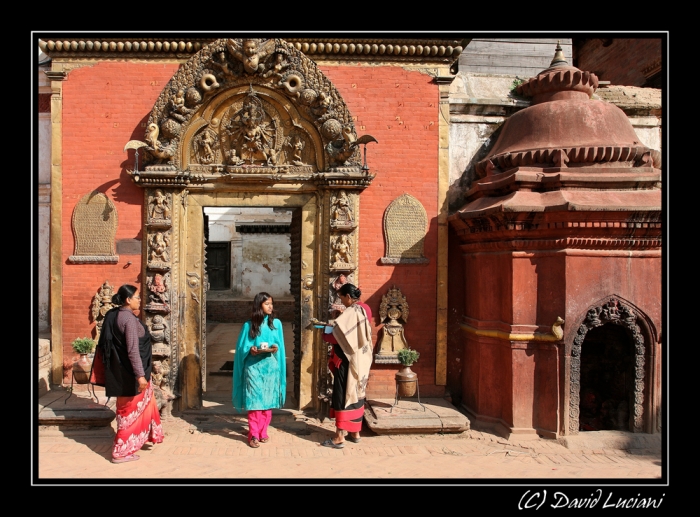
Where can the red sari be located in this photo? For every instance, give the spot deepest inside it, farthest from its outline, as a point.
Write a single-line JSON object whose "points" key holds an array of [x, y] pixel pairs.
{"points": [[138, 422]]}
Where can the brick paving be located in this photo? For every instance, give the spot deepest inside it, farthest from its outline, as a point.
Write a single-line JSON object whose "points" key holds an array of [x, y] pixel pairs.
{"points": [[219, 451]]}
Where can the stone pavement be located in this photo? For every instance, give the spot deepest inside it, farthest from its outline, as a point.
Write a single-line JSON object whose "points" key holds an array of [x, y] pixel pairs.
{"points": [[214, 447]]}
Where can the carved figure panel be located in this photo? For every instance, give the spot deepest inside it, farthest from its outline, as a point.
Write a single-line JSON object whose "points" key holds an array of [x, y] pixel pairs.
{"points": [[159, 250], [94, 228], [405, 227], [393, 312], [158, 292], [342, 253], [159, 208], [160, 333], [342, 211]]}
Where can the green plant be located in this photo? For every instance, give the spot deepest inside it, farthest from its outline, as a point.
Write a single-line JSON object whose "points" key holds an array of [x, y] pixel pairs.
{"points": [[514, 85], [83, 345], [408, 356]]}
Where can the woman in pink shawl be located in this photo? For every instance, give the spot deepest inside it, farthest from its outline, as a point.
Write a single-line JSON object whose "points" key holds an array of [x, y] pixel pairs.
{"points": [[350, 362]]}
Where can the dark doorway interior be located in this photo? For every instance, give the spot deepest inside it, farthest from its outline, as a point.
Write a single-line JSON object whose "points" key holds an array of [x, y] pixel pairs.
{"points": [[219, 265], [607, 379]]}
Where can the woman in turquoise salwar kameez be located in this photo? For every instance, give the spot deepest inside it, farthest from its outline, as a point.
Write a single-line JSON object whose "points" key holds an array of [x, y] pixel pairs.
{"points": [[259, 371]]}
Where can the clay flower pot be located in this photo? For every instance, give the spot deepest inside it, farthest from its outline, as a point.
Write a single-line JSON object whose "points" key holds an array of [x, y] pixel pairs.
{"points": [[406, 382], [81, 369]]}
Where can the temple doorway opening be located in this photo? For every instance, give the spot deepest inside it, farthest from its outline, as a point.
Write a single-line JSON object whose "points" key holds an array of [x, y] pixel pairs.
{"points": [[248, 250], [607, 379]]}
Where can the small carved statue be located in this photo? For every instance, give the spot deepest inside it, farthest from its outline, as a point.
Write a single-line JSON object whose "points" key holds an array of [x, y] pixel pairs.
{"points": [[160, 207], [159, 248], [158, 290], [178, 110], [296, 142], [393, 311], [254, 137], [277, 67], [341, 213], [342, 255], [207, 143], [251, 53], [159, 330], [101, 303]]}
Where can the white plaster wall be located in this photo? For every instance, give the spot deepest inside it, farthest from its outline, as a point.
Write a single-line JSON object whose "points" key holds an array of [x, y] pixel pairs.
{"points": [[266, 259]]}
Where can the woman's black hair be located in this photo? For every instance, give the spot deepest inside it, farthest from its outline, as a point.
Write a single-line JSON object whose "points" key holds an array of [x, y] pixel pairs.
{"points": [[350, 289], [256, 319], [124, 292]]}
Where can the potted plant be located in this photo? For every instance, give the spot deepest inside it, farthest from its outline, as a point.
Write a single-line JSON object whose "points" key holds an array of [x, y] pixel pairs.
{"points": [[407, 379], [81, 368]]}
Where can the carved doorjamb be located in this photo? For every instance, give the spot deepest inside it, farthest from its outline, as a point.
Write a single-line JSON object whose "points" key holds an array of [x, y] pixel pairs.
{"points": [[618, 313]]}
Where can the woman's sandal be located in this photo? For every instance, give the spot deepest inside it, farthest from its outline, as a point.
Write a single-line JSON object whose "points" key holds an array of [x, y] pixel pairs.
{"points": [[329, 443], [352, 439], [254, 443], [264, 440], [130, 457]]}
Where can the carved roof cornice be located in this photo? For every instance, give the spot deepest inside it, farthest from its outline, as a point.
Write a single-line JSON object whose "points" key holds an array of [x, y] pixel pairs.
{"points": [[413, 50]]}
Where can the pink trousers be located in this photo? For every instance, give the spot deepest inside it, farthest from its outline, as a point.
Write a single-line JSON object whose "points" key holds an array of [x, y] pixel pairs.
{"points": [[258, 421]]}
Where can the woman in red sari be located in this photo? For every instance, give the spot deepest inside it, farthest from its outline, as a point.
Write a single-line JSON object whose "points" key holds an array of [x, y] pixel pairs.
{"points": [[350, 361], [125, 351]]}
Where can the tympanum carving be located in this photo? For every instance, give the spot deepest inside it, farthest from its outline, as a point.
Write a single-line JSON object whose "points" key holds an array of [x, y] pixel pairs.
{"points": [[242, 106]]}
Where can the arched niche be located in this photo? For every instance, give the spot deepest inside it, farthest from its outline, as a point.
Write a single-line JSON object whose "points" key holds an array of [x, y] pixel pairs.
{"points": [[616, 311]]}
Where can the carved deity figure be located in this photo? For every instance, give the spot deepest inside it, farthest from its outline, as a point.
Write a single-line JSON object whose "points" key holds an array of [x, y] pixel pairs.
{"points": [[160, 207], [159, 248], [341, 213], [296, 142], [101, 303], [158, 290], [159, 330], [393, 311], [342, 255], [207, 143], [178, 110], [254, 137], [277, 67], [251, 53]]}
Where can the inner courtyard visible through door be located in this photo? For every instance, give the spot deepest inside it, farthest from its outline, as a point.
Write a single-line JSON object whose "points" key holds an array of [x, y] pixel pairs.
{"points": [[248, 251]]}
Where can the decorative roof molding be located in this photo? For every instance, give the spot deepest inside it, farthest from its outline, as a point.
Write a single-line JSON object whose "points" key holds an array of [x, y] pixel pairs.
{"points": [[418, 50]]}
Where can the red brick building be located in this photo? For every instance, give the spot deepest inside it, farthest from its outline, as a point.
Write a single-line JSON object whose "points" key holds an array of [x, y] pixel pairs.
{"points": [[107, 96]]}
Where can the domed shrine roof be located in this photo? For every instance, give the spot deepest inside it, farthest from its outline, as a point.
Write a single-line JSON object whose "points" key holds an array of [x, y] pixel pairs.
{"points": [[565, 127], [565, 152]]}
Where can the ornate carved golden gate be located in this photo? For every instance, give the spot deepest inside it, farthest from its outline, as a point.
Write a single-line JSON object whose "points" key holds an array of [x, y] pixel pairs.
{"points": [[246, 123]]}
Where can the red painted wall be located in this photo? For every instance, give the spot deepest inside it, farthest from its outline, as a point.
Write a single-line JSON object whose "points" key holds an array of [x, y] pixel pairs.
{"points": [[107, 104], [400, 109], [104, 106]]}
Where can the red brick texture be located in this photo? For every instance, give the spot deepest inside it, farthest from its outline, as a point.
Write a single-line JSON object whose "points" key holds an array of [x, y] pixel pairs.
{"points": [[400, 109], [104, 106], [107, 104], [622, 62]]}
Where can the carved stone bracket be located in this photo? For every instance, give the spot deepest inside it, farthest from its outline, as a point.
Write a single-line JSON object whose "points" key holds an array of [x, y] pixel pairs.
{"points": [[617, 313]]}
